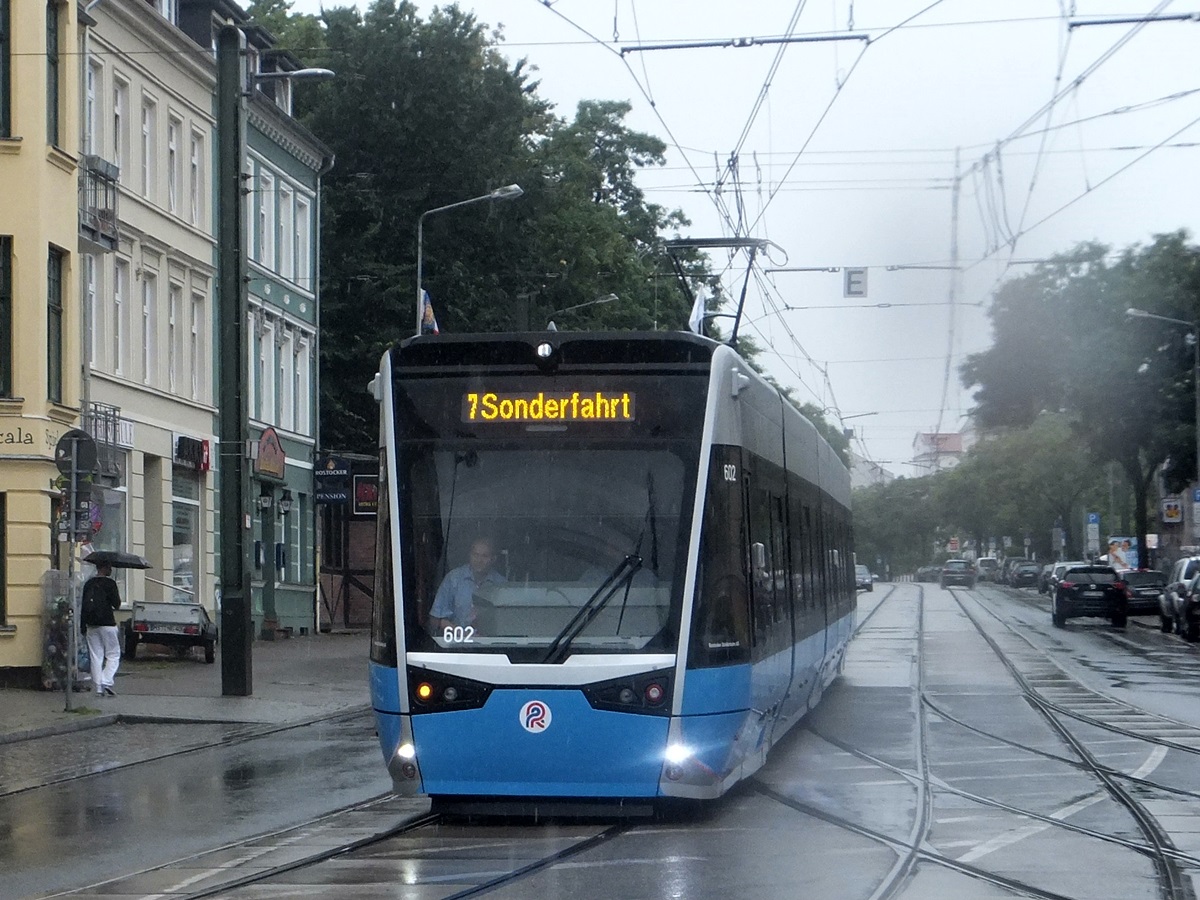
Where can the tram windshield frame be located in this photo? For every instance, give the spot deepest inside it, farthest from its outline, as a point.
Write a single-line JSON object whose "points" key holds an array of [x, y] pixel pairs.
{"points": [[510, 527]]}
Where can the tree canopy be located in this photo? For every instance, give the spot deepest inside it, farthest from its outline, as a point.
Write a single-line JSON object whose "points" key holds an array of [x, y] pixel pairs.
{"points": [[425, 113], [1063, 343]]}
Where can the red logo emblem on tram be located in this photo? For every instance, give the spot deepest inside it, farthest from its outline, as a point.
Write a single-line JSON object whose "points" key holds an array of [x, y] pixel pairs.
{"points": [[535, 716]]}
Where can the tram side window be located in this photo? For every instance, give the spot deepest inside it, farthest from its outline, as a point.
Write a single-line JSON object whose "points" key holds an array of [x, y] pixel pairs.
{"points": [[383, 608], [772, 628], [721, 628]]}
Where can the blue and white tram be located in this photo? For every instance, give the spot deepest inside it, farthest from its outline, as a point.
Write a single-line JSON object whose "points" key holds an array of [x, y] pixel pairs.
{"points": [[672, 585]]}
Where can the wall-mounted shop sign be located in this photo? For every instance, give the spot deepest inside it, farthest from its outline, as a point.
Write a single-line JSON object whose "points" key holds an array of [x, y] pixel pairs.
{"points": [[331, 476], [191, 453], [272, 459]]}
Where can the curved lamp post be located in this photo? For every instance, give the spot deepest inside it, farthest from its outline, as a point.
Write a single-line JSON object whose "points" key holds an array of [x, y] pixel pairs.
{"points": [[607, 298], [1195, 342], [508, 192]]}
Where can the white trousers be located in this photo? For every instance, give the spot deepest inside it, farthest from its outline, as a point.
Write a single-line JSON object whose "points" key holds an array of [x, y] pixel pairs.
{"points": [[104, 647]]}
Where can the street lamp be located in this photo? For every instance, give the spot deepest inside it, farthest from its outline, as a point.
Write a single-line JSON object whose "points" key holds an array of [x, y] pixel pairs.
{"points": [[607, 298], [1194, 338], [508, 192]]}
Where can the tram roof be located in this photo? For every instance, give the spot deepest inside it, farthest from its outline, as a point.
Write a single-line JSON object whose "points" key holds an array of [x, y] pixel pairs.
{"points": [[625, 348]]}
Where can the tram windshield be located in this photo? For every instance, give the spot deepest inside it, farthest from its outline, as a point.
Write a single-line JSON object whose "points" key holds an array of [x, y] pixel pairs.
{"points": [[537, 551]]}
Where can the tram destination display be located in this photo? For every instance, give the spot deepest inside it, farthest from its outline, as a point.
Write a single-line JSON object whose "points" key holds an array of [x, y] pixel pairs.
{"points": [[576, 406]]}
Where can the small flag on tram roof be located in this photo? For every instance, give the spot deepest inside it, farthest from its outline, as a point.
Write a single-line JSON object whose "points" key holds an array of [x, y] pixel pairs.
{"points": [[696, 319], [429, 323]]}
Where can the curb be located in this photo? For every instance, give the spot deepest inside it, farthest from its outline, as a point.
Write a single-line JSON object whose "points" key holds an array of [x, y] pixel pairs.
{"points": [[60, 728]]}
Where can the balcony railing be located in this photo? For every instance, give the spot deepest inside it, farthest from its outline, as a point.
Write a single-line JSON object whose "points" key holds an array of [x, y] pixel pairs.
{"points": [[98, 203], [103, 423]]}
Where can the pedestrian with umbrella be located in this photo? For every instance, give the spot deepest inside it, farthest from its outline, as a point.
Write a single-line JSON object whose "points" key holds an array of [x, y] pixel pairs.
{"points": [[101, 599]]}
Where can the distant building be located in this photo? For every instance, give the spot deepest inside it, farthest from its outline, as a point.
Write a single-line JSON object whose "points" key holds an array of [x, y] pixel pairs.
{"points": [[938, 451], [865, 472]]}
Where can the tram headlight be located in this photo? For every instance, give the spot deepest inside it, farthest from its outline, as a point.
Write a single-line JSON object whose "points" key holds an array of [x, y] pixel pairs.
{"points": [[424, 690], [406, 751], [678, 753]]}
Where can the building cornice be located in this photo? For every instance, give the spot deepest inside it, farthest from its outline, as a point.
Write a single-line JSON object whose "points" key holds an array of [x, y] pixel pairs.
{"points": [[288, 134]]}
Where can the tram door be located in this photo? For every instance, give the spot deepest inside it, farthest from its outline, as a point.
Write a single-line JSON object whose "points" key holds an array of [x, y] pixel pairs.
{"points": [[771, 608]]}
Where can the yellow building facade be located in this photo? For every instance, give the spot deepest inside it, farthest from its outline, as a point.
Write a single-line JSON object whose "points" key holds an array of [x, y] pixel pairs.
{"points": [[40, 366]]}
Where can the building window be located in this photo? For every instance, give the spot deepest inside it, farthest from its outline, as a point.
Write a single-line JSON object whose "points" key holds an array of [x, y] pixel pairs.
{"points": [[53, 88], [185, 534], [303, 244], [266, 379], [89, 299], [149, 146], [287, 384], [300, 387], [120, 295], [168, 9], [252, 363], [266, 220], [174, 127], [5, 71], [120, 120], [91, 113], [54, 325], [287, 233], [174, 299], [6, 314], [196, 179], [149, 303], [195, 346]]}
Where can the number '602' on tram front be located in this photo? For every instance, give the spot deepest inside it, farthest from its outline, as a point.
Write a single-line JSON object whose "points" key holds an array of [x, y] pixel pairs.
{"points": [[610, 568]]}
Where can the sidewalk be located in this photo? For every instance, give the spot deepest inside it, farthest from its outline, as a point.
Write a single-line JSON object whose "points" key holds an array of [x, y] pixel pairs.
{"points": [[293, 680]]}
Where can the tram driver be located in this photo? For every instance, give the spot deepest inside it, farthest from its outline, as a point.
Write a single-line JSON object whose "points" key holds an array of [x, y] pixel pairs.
{"points": [[454, 603]]}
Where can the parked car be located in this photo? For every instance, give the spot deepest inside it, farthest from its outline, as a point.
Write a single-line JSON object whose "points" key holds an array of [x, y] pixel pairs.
{"points": [[987, 568], [1008, 567], [1144, 588], [1179, 604], [928, 573], [1044, 578], [862, 578], [1024, 575], [958, 571], [1087, 590]]}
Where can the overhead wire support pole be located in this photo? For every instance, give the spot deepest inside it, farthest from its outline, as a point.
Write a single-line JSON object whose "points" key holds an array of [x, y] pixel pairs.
{"points": [[746, 42]]}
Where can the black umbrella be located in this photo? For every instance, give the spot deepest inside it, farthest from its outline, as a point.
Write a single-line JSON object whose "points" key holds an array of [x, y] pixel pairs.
{"points": [[117, 559]]}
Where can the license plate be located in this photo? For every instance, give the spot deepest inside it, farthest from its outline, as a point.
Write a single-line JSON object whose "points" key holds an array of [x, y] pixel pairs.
{"points": [[168, 629], [1093, 593]]}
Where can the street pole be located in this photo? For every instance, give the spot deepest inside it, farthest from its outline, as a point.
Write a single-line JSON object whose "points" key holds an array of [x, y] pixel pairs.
{"points": [[508, 192], [233, 429]]}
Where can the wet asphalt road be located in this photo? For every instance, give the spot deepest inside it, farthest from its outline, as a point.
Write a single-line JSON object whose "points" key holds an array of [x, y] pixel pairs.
{"points": [[85, 830], [926, 742]]}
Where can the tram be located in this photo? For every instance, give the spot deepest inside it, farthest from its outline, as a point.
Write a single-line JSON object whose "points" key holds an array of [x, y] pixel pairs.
{"points": [[610, 568]]}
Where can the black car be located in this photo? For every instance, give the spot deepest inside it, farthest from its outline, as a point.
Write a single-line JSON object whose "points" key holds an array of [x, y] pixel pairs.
{"points": [[1024, 575], [957, 571], [928, 573], [1089, 591], [1143, 588]]}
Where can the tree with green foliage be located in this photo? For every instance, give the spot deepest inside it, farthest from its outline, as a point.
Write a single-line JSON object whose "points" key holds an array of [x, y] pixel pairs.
{"points": [[1063, 342], [426, 113]]}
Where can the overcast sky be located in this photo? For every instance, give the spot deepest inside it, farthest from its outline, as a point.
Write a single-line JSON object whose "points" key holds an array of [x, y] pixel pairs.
{"points": [[846, 158]]}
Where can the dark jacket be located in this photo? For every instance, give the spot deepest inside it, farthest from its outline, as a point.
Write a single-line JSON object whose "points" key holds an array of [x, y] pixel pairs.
{"points": [[101, 597]]}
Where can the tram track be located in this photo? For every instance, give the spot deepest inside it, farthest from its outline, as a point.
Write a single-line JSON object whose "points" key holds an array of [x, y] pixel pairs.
{"points": [[1156, 846], [1032, 676], [428, 823]]}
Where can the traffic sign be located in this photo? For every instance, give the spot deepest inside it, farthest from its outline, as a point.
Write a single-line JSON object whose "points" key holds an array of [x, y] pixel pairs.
{"points": [[75, 451]]}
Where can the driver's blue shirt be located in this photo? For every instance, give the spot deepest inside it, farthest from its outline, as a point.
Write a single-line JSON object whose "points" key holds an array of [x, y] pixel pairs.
{"points": [[453, 599]]}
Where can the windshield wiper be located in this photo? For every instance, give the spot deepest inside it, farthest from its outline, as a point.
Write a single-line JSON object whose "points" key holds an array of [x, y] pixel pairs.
{"points": [[591, 607]]}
